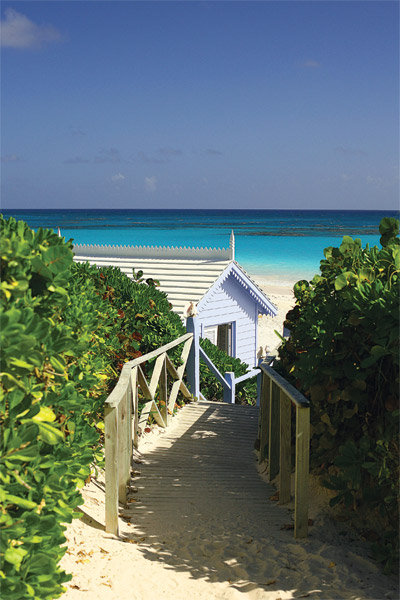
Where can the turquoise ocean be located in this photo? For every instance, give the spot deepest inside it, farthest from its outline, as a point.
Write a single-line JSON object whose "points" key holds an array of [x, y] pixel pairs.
{"points": [[283, 245]]}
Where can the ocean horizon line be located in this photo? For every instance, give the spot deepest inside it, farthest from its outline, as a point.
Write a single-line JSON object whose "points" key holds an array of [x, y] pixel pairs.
{"points": [[92, 209]]}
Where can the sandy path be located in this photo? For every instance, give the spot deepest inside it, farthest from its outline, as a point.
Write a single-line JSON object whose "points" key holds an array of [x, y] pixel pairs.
{"points": [[200, 525]]}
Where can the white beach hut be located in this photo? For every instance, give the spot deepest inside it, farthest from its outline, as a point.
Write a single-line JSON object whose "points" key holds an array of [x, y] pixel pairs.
{"points": [[207, 282]]}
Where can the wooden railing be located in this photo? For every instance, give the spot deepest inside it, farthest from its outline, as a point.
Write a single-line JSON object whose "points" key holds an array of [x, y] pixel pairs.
{"points": [[228, 379], [121, 413], [277, 398]]}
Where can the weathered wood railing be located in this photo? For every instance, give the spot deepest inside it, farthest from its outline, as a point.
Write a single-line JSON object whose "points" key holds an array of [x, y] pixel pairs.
{"points": [[228, 379], [277, 398], [121, 412]]}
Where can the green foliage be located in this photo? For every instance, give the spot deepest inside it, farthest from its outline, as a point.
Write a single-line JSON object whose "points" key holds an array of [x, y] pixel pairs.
{"points": [[66, 330], [143, 320], [47, 417], [343, 354], [246, 391]]}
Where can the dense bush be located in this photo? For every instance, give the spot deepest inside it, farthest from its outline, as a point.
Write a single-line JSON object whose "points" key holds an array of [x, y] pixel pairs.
{"points": [[343, 354], [144, 320], [48, 417], [211, 388]]}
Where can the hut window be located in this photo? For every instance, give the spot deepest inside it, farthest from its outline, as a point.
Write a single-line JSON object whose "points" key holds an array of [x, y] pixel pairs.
{"points": [[221, 336]]}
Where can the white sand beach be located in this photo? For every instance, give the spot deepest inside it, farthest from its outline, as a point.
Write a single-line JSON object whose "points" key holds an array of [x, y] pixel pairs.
{"points": [[281, 295], [212, 555], [203, 549]]}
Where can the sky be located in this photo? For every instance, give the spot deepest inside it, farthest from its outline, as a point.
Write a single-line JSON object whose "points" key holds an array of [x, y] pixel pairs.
{"points": [[223, 104]]}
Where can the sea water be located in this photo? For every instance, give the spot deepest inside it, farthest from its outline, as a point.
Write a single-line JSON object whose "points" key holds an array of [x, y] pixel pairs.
{"points": [[281, 245]]}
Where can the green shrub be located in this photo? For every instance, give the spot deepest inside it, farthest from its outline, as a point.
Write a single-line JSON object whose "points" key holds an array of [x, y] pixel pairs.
{"points": [[211, 388], [51, 378], [343, 354], [144, 320]]}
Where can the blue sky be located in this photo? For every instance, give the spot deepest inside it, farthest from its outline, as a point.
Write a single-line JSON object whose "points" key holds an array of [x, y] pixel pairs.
{"points": [[200, 104]]}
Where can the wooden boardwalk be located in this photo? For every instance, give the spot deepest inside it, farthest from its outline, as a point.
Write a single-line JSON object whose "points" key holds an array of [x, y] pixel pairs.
{"points": [[203, 526], [205, 468]]}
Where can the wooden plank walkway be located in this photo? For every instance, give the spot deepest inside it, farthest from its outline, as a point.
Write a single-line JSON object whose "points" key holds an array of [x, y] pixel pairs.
{"points": [[199, 497], [206, 469], [201, 525], [199, 506]]}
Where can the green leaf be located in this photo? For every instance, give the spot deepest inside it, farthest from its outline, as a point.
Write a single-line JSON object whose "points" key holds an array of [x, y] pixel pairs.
{"points": [[326, 419], [341, 282], [24, 454], [377, 352], [22, 502], [45, 414], [15, 556], [50, 434], [57, 364], [18, 362], [344, 280]]}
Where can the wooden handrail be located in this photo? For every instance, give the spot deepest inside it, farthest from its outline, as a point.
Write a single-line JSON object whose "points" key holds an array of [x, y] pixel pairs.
{"points": [[247, 375], [277, 397], [122, 404], [295, 396]]}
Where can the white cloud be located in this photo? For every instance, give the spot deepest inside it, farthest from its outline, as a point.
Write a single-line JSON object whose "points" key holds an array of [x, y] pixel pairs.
{"points": [[150, 184], [311, 64], [118, 177], [17, 31]]}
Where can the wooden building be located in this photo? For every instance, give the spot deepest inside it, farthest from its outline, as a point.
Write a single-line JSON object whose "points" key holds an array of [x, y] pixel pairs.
{"points": [[205, 282]]}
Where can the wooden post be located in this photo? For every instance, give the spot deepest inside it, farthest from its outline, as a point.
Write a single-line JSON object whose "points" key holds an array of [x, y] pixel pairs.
{"points": [[229, 394], [259, 380], [302, 471], [193, 363], [129, 432], [232, 246], [264, 417], [135, 406], [111, 470], [163, 393], [285, 463], [122, 447], [274, 431]]}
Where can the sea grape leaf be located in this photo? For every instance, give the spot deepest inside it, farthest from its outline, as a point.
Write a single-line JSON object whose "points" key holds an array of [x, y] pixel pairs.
{"points": [[45, 414], [15, 556], [50, 434]]}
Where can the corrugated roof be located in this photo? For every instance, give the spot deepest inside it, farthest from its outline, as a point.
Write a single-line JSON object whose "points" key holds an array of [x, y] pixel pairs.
{"points": [[185, 274], [184, 281]]}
